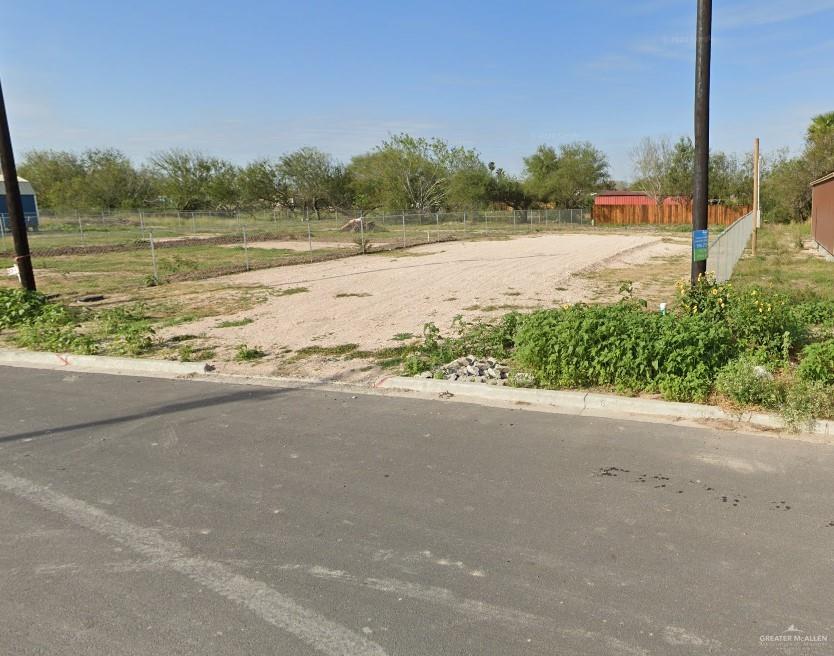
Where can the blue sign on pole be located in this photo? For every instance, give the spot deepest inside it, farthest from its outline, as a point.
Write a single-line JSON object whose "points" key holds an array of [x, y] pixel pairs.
{"points": [[700, 245]]}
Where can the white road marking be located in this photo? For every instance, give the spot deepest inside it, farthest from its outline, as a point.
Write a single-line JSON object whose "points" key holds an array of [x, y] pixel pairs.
{"points": [[474, 610], [270, 605], [674, 635]]}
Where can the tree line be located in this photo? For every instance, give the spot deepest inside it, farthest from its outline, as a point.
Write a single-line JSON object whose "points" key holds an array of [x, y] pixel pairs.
{"points": [[666, 169], [403, 172], [786, 192], [416, 174]]}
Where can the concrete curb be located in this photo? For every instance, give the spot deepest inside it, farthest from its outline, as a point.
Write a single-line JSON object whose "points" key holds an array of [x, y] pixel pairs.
{"points": [[566, 402], [591, 403], [100, 363]]}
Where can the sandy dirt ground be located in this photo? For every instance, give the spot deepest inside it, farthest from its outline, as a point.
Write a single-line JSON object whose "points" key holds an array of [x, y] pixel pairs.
{"points": [[368, 300]]}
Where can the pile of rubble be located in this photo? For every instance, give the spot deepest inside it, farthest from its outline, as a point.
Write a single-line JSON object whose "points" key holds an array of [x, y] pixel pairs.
{"points": [[472, 370]]}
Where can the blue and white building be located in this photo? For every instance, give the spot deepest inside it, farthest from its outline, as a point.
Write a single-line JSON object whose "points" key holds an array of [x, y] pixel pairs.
{"points": [[30, 204]]}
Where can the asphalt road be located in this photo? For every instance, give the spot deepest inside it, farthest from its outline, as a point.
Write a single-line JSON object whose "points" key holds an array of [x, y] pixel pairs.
{"points": [[142, 516]]}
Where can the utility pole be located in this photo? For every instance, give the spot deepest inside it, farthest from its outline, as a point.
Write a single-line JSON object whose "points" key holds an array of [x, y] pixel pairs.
{"points": [[14, 206], [756, 185], [700, 195]]}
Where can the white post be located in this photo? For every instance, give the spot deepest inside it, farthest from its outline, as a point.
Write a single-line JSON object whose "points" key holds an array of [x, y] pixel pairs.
{"points": [[403, 229], [80, 227], [362, 232], [310, 240]]}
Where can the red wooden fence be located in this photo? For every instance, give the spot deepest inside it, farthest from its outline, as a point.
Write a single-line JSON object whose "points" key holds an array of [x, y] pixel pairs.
{"points": [[664, 215]]}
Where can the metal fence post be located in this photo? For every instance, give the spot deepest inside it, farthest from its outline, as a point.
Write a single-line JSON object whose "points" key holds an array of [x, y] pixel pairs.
{"points": [[153, 262], [245, 247], [80, 228], [403, 229], [437, 217], [142, 223], [362, 232], [3, 230], [310, 240]]}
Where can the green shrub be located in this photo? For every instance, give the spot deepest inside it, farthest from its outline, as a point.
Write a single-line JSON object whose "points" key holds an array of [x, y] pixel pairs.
{"points": [[817, 363], [804, 402], [478, 338], [583, 346], [759, 320], [55, 328], [248, 353], [18, 306], [713, 339], [815, 313], [126, 330], [687, 355], [744, 382], [188, 353], [483, 339], [624, 347], [434, 351], [44, 326]]}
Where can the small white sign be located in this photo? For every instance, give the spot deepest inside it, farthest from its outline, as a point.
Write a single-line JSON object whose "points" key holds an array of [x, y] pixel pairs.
{"points": [[13, 271]]}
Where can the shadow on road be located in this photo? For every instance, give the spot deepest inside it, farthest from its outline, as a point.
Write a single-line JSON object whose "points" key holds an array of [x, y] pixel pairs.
{"points": [[183, 406]]}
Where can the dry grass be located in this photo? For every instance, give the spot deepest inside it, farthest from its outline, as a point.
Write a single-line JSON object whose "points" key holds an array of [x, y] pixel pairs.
{"points": [[653, 279]]}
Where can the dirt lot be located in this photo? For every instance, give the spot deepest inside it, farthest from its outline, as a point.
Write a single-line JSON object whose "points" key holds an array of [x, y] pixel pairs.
{"points": [[378, 301]]}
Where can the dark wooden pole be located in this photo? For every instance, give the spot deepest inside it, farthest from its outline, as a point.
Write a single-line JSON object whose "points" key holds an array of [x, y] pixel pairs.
{"points": [[700, 193], [14, 206]]}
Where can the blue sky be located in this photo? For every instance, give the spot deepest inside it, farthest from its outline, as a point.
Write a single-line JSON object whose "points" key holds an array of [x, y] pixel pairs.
{"points": [[253, 78]]}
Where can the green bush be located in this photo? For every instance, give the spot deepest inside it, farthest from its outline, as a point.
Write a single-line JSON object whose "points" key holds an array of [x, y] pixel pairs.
{"points": [[815, 313], [716, 338], [624, 347], [744, 382], [817, 363], [18, 306], [479, 338], [806, 401], [759, 320], [126, 330], [54, 329]]}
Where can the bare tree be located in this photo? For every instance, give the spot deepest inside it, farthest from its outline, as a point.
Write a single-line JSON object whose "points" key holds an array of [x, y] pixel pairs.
{"points": [[652, 161]]}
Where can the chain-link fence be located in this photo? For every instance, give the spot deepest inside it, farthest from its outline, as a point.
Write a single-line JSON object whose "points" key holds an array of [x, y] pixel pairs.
{"points": [[79, 228], [153, 247], [726, 250]]}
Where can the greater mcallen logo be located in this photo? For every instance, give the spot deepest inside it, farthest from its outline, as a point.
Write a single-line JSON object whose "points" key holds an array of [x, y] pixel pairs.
{"points": [[794, 636]]}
